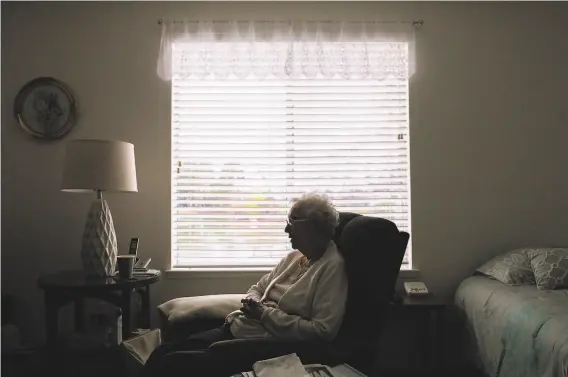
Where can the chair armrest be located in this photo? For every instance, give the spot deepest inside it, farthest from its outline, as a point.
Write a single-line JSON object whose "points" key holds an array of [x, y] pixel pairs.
{"points": [[245, 352], [252, 343]]}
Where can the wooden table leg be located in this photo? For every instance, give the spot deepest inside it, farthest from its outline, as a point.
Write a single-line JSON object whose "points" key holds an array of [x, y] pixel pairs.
{"points": [[427, 340], [126, 307], [145, 292], [437, 337], [432, 340], [79, 315], [51, 320]]}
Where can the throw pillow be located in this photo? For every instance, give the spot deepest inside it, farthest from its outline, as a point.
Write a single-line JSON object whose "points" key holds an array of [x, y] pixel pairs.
{"points": [[511, 268], [550, 268]]}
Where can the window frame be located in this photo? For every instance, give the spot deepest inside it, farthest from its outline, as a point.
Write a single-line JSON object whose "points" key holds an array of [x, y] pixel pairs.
{"points": [[408, 268]]}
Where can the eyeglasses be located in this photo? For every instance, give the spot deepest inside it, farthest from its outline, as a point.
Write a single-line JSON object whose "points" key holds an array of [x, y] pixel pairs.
{"points": [[290, 221]]}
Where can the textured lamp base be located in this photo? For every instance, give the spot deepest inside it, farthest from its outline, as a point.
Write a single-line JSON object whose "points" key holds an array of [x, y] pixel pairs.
{"points": [[99, 241]]}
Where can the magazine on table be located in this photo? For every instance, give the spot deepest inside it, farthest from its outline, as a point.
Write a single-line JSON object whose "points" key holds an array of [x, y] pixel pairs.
{"points": [[314, 370], [291, 366], [318, 370]]}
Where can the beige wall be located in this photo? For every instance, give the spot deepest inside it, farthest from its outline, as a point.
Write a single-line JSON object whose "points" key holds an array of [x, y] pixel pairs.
{"points": [[489, 129]]}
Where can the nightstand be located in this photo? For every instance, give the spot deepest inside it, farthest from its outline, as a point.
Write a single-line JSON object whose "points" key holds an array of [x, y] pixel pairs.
{"points": [[427, 310]]}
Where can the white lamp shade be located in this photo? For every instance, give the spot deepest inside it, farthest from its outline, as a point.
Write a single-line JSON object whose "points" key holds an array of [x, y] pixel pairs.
{"points": [[106, 165]]}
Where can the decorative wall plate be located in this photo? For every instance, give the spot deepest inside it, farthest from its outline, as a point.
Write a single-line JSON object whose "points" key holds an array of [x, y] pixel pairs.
{"points": [[45, 108]]}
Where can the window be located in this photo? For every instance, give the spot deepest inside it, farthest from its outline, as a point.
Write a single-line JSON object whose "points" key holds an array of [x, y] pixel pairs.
{"points": [[242, 148]]}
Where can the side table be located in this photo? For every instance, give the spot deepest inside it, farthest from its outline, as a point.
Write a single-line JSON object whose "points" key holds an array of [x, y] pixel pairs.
{"points": [[74, 286], [427, 311]]}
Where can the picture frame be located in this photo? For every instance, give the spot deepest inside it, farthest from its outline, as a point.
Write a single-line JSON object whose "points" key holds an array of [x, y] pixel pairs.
{"points": [[45, 108]]}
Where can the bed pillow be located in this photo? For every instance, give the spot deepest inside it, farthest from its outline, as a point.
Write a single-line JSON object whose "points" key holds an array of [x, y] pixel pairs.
{"points": [[550, 268], [511, 268]]}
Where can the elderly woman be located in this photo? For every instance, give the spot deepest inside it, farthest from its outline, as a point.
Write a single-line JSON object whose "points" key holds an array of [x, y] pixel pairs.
{"points": [[302, 298]]}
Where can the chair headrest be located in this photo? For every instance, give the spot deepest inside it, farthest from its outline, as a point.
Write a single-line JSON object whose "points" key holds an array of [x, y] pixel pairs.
{"points": [[344, 219]]}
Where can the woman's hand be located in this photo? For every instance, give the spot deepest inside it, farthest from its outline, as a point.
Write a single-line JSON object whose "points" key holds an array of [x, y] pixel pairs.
{"points": [[252, 309], [248, 300]]}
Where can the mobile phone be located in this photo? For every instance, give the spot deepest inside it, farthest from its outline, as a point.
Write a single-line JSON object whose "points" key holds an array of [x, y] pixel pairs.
{"points": [[133, 249], [142, 264]]}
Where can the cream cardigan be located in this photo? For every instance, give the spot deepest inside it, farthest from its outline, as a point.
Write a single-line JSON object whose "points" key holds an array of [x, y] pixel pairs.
{"points": [[311, 309]]}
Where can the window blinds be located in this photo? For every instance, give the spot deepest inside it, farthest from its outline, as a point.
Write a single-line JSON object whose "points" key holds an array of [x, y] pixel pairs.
{"points": [[243, 148]]}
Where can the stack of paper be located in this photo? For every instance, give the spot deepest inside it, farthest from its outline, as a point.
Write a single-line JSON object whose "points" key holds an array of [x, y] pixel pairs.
{"points": [[291, 366], [147, 273], [345, 370], [283, 366]]}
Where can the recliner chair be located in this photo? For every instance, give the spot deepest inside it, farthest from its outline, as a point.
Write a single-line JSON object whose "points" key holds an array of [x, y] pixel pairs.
{"points": [[373, 249]]}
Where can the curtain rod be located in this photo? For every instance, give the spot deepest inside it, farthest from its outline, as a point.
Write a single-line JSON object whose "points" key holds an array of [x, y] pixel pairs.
{"points": [[416, 23]]}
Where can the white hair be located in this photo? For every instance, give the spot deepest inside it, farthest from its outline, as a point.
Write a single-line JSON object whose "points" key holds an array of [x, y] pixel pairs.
{"points": [[317, 207]]}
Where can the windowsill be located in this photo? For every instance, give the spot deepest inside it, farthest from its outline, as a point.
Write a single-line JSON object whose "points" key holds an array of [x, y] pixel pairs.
{"points": [[246, 272]]}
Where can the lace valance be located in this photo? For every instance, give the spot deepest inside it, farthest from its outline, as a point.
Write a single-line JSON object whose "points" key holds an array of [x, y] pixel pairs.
{"points": [[306, 49]]}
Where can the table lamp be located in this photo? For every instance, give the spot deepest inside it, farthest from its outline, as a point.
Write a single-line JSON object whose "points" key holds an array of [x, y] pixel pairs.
{"points": [[97, 166]]}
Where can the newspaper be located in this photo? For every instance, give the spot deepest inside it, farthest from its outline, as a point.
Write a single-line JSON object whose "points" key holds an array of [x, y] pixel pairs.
{"points": [[282, 366], [318, 370], [346, 370], [314, 370]]}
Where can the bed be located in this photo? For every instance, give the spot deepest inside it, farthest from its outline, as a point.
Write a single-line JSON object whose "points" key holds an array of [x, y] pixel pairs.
{"points": [[515, 331]]}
